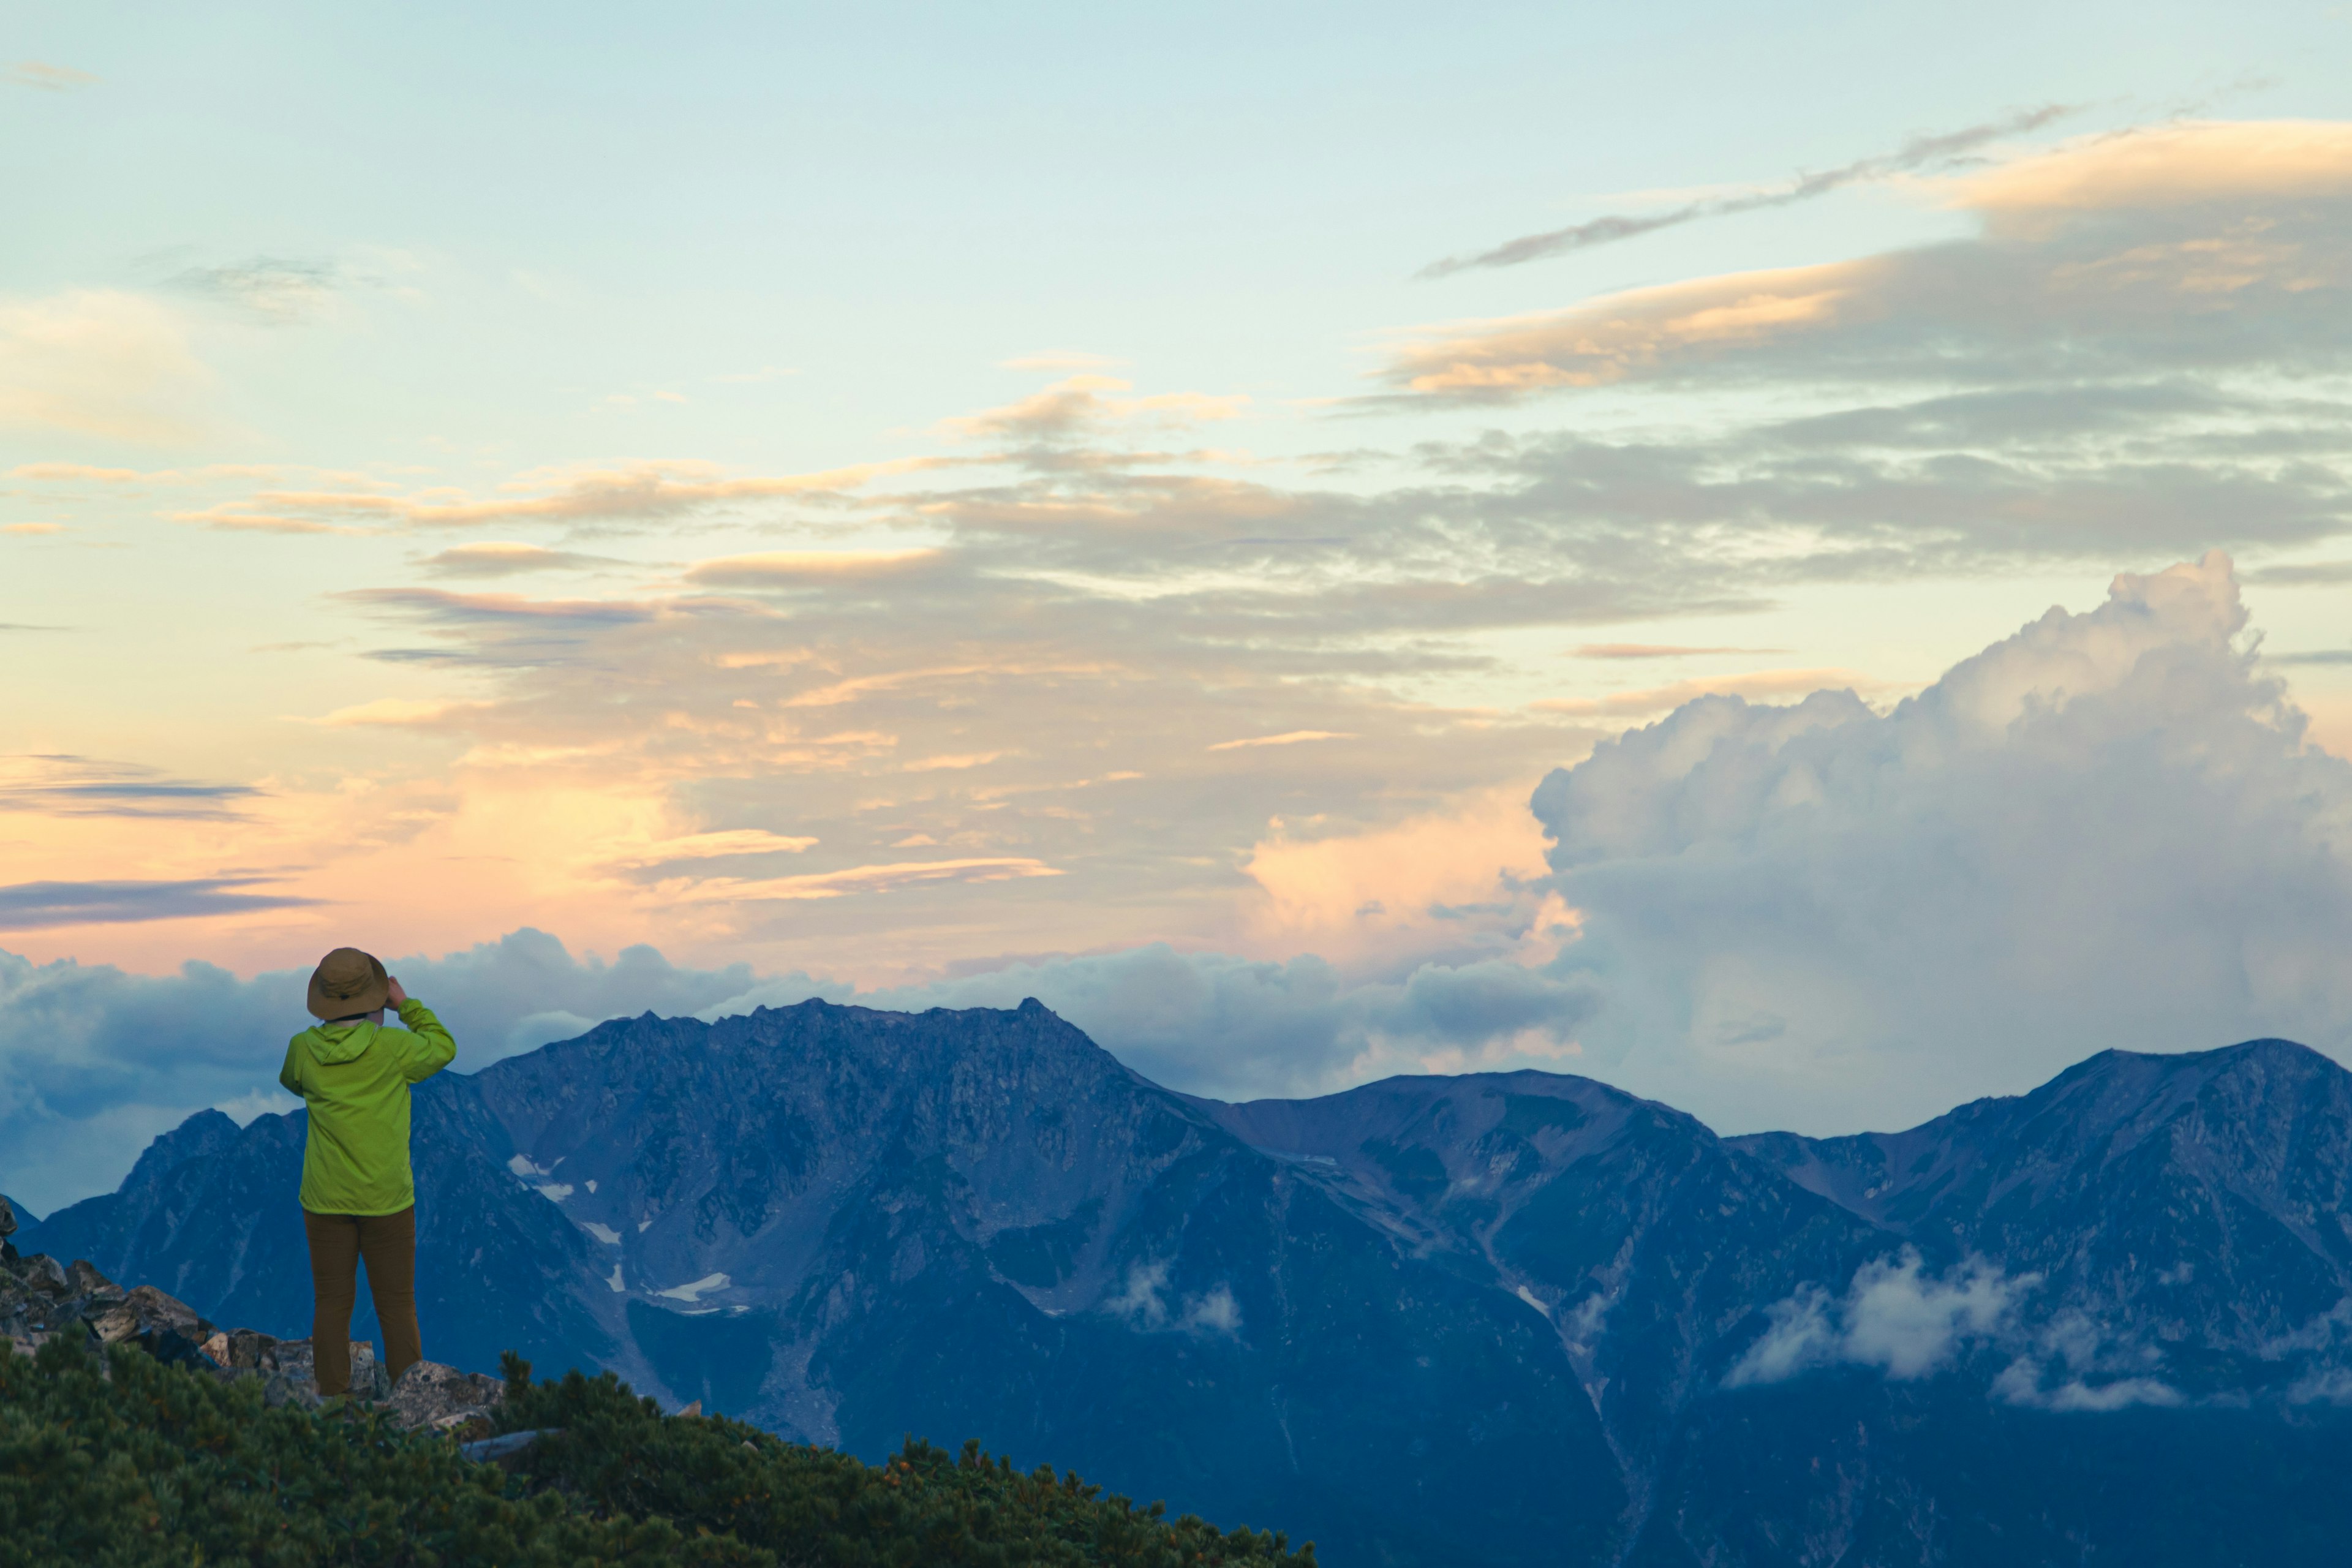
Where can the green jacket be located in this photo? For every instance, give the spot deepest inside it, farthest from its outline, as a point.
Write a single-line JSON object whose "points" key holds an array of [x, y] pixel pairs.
{"points": [[356, 1078]]}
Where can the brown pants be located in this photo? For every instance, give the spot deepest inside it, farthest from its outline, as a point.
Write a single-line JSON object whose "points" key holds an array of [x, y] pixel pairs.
{"points": [[338, 1242]]}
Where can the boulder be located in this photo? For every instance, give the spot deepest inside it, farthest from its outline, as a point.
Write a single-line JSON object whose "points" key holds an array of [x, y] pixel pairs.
{"points": [[8, 1216], [43, 1273], [163, 1326], [147, 1308], [82, 1279], [432, 1395], [239, 1350]]}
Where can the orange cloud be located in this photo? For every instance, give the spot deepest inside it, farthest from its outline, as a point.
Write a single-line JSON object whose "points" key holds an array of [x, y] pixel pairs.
{"points": [[392, 712], [1356, 895], [2218, 210], [867, 879], [1612, 337], [630, 491], [783, 568], [1085, 401], [2168, 166], [1289, 738], [712, 846]]}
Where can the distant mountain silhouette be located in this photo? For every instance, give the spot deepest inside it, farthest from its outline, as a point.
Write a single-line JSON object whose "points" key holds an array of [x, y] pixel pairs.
{"points": [[1497, 1319]]}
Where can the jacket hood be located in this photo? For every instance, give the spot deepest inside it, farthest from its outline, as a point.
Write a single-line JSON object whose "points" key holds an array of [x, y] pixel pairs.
{"points": [[333, 1043]]}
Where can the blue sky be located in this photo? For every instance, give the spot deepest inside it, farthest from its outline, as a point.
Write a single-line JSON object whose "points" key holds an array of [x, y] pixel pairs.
{"points": [[928, 501]]}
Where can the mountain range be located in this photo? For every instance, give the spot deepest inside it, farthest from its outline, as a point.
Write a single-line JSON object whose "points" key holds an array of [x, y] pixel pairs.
{"points": [[1502, 1319]]}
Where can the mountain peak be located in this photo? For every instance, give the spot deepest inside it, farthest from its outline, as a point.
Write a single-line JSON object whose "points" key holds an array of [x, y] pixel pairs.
{"points": [[206, 1132]]}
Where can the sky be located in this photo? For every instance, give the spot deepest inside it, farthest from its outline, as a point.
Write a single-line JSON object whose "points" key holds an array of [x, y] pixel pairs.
{"points": [[1793, 562]]}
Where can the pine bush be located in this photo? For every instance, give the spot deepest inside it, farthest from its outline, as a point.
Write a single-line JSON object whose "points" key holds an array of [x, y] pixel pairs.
{"points": [[122, 1462]]}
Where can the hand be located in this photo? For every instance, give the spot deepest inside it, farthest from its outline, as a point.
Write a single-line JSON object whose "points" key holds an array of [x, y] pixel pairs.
{"points": [[392, 992]]}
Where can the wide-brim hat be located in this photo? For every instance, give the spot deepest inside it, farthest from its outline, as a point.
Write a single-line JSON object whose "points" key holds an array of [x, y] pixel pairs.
{"points": [[348, 981]]}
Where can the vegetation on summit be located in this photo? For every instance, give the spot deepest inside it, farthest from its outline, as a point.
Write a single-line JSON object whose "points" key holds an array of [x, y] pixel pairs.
{"points": [[112, 1459]]}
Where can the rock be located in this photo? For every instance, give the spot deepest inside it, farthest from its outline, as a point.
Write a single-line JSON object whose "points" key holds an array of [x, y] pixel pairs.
{"points": [[432, 1395], [291, 1359], [43, 1273], [239, 1350], [147, 1308], [511, 1443], [8, 1218], [693, 1409], [82, 1279]]}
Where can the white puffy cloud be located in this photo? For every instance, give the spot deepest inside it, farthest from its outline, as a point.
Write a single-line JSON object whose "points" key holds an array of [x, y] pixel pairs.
{"points": [[1895, 1316], [2106, 831]]}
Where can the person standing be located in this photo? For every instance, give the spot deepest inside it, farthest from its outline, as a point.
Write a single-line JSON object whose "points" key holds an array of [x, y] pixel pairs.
{"points": [[359, 1193]]}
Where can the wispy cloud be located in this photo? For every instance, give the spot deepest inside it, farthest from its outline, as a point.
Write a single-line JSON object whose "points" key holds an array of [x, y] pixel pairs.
{"points": [[802, 568], [1082, 403], [2303, 574], [2166, 250], [633, 492], [499, 558], [85, 787], [1938, 150], [1288, 738], [1617, 650], [33, 906], [282, 290], [49, 77], [881, 878]]}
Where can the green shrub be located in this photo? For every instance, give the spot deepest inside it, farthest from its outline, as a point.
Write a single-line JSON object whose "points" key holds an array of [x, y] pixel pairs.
{"points": [[124, 1463]]}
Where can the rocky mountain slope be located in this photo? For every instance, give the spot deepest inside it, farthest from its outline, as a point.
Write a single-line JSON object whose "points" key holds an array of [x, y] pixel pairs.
{"points": [[1501, 1319]]}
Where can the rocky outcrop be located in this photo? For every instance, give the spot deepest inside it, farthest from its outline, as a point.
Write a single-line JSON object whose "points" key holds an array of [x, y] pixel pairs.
{"points": [[42, 1299]]}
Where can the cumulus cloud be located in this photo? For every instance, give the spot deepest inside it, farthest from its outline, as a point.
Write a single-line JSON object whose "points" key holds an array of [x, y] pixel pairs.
{"points": [[2106, 830], [1895, 1315]]}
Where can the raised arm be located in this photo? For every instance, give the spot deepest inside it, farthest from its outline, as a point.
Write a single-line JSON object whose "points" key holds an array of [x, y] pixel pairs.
{"points": [[434, 1049]]}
